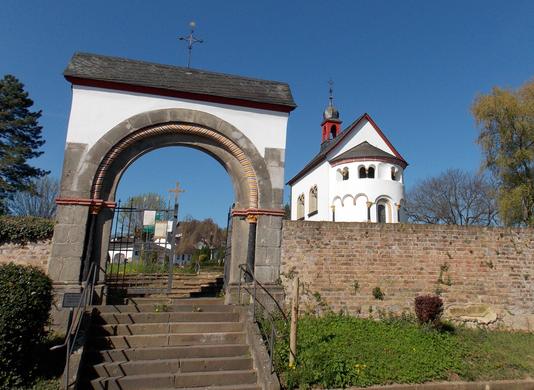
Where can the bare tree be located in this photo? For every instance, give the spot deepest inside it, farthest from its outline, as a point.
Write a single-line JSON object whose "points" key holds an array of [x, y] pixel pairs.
{"points": [[454, 197], [141, 202], [38, 201]]}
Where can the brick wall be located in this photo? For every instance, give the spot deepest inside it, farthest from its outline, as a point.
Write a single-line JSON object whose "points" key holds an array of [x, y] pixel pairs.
{"points": [[485, 275], [29, 254]]}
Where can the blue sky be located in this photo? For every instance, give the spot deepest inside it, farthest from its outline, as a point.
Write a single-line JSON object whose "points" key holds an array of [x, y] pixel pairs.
{"points": [[415, 66]]}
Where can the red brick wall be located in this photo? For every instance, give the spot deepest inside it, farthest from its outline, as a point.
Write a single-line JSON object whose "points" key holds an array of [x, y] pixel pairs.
{"points": [[487, 274], [34, 253]]}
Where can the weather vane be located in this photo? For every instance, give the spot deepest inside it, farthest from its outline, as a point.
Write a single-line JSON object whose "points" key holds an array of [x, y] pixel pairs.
{"points": [[331, 91], [191, 40]]}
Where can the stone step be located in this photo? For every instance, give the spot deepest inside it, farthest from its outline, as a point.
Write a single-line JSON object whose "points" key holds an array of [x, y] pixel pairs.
{"points": [[165, 299], [168, 340], [160, 366], [237, 377], [157, 308], [169, 327], [178, 293], [158, 381], [179, 352], [137, 318], [231, 387], [164, 278]]}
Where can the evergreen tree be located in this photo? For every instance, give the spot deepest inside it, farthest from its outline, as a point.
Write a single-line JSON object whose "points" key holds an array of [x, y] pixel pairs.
{"points": [[20, 139]]}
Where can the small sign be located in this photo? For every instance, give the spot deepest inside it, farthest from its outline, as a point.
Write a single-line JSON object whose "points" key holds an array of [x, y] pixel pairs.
{"points": [[71, 299], [148, 229], [161, 229], [149, 218]]}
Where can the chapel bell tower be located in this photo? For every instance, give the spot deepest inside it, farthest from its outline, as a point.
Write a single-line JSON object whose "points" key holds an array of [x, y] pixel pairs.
{"points": [[331, 125]]}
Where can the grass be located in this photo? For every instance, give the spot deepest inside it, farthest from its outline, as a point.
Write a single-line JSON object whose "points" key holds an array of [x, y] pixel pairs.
{"points": [[337, 351], [497, 355]]}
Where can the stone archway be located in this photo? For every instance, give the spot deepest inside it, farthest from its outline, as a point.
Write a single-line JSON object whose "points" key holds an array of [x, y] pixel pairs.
{"points": [[91, 175]]}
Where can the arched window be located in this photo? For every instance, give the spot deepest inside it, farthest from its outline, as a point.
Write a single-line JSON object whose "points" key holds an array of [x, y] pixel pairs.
{"points": [[333, 131], [381, 213], [345, 173], [362, 173], [300, 207], [371, 173], [313, 201], [394, 174]]}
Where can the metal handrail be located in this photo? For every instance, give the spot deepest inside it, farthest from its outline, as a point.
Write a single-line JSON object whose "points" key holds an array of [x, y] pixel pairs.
{"points": [[75, 320], [271, 339]]}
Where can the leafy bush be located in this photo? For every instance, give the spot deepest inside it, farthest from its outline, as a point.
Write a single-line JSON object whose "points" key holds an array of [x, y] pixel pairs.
{"points": [[25, 302], [378, 293], [20, 230], [336, 351], [428, 308]]}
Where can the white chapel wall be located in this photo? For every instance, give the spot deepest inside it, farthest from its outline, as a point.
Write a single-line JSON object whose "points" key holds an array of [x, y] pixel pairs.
{"points": [[364, 132], [350, 196], [318, 177]]}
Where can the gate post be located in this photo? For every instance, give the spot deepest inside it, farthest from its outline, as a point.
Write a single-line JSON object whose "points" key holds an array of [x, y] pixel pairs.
{"points": [[66, 257]]}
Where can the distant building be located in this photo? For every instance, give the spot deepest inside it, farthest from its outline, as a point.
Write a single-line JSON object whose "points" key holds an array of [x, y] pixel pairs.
{"points": [[357, 176]]}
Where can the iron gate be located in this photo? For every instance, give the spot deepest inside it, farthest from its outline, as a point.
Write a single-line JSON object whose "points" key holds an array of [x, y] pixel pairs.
{"points": [[228, 249], [141, 250]]}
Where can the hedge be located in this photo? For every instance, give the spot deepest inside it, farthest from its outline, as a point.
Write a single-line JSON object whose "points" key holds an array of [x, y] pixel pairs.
{"points": [[25, 302], [20, 230]]}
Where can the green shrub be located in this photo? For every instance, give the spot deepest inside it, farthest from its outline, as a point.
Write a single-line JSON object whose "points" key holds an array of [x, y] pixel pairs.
{"points": [[378, 294], [20, 230], [25, 302]]}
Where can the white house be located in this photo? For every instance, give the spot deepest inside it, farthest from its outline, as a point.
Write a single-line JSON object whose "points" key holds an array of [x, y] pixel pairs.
{"points": [[357, 176]]}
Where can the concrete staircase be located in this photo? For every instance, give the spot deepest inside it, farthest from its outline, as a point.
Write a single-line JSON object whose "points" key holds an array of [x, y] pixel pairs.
{"points": [[169, 343], [183, 285]]}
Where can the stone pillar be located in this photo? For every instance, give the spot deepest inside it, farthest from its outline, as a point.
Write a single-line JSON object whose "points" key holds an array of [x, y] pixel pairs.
{"points": [[268, 242], [66, 257], [238, 255], [68, 244]]}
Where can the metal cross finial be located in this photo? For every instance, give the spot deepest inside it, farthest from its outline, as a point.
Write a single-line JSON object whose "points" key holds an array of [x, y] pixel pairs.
{"points": [[331, 92], [191, 40], [176, 191]]}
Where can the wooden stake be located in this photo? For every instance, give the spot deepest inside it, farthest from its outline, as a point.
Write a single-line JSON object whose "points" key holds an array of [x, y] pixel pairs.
{"points": [[294, 320]]}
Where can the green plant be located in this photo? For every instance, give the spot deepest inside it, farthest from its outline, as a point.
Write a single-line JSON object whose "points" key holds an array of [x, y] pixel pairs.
{"points": [[337, 351], [160, 308], [356, 286], [378, 293], [21, 230], [444, 269], [25, 302]]}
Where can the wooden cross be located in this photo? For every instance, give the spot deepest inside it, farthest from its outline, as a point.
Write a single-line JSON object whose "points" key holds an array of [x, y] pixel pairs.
{"points": [[176, 191]]}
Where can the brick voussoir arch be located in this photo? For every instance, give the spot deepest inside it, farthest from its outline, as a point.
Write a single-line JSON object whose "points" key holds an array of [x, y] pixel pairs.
{"points": [[185, 122], [177, 128]]}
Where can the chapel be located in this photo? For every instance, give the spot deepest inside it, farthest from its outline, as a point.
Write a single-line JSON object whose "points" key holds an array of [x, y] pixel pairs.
{"points": [[357, 176]]}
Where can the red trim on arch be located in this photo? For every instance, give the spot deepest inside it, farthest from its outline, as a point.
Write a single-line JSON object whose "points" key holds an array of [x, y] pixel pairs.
{"points": [[94, 204], [177, 94], [253, 211]]}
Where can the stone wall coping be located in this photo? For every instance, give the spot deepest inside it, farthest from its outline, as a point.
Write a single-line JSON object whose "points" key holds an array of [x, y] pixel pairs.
{"points": [[413, 226]]}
